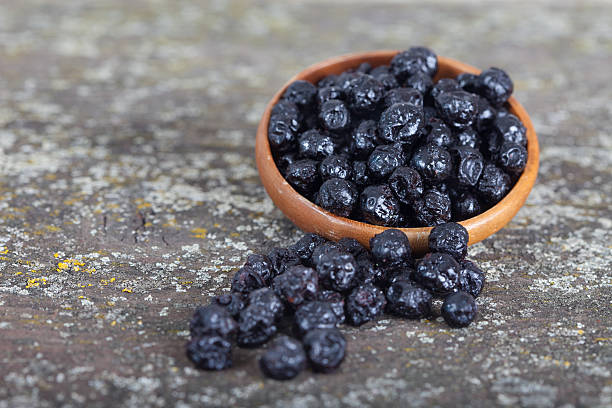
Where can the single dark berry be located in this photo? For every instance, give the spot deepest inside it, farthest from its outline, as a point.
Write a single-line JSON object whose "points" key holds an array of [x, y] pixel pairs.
{"points": [[337, 270], [421, 82], [284, 359], [438, 272], [325, 349], [465, 206], [334, 115], [459, 309], [467, 137], [329, 93], [468, 165], [323, 249], [433, 208], [512, 157], [412, 61], [408, 300], [468, 82], [212, 320], [364, 303], [247, 280], [495, 85], [457, 108], [266, 299], [210, 352], [494, 184], [346, 80], [402, 273], [388, 81], [282, 132], [302, 93], [406, 183], [511, 129], [305, 247], [404, 95], [361, 176], [336, 301], [400, 122], [297, 285], [335, 166], [303, 175], [432, 162], [471, 278], [450, 238], [384, 160], [314, 315], [284, 160], [285, 107], [444, 85], [337, 196], [486, 115], [364, 139], [232, 302], [256, 325], [440, 134], [379, 206], [262, 266], [315, 145], [281, 259], [365, 94], [390, 248]]}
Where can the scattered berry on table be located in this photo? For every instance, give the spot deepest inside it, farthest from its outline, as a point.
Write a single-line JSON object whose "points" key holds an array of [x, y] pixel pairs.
{"points": [[325, 349], [364, 303], [284, 359], [314, 315], [213, 320], [210, 352], [459, 309]]}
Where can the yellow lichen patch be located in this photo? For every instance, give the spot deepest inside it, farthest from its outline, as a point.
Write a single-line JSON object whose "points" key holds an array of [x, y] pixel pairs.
{"points": [[235, 234], [199, 233], [143, 206], [70, 264], [82, 297], [4, 250], [580, 332], [127, 290], [35, 282], [171, 223], [52, 228], [56, 255], [113, 323]]}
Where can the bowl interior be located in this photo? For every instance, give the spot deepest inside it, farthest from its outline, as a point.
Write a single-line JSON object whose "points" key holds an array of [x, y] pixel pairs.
{"points": [[312, 218]]}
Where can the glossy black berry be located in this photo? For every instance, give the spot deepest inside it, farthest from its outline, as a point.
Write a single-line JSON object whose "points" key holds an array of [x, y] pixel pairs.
{"points": [[256, 325], [440, 134], [468, 165], [281, 259], [408, 300], [212, 320], [432, 162], [486, 115], [379, 205], [364, 139], [465, 206], [262, 266], [421, 82], [365, 94], [459, 309], [412, 61], [361, 176], [338, 196], [467, 137], [364, 303], [511, 129], [247, 280], [457, 108], [384, 160], [288, 108], [302, 93], [433, 208], [495, 85], [325, 349], [444, 85], [314, 315], [303, 175], [306, 245], [468, 82], [438, 272], [282, 132], [323, 249], [329, 80], [334, 115], [266, 299], [297, 285], [494, 184], [471, 278], [390, 248], [400, 122], [284, 359], [336, 301], [210, 352], [329, 93], [512, 157], [450, 238], [315, 145], [232, 302], [406, 183], [404, 95], [284, 160], [353, 247], [337, 270], [335, 166]]}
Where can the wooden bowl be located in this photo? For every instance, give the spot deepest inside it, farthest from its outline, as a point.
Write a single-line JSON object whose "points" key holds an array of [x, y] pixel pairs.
{"points": [[312, 218]]}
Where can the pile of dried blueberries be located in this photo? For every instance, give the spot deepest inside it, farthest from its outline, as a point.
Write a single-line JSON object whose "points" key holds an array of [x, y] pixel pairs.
{"points": [[308, 289], [388, 146]]}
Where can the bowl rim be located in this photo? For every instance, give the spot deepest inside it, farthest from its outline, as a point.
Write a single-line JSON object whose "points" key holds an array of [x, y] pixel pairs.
{"points": [[479, 227]]}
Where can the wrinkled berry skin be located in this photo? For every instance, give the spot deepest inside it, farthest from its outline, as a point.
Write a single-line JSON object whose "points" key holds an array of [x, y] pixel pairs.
{"points": [[433, 162], [421, 82], [353, 247], [282, 132], [305, 247], [413, 61], [512, 157], [266, 299], [365, 94], [302, 93], [334, 115], [321, 250], [471, 278], [384, 160], [246, 280], [212, 320], [466, 206], [379, 206], [284, 160], [364, 139], [284, 359], [364, 303], [314, 315], [433, 208], [337, 196], [494, 184], [325, 349], [438, 272], [336, 301], [458, 108], [468, 81], [400, 122], [288, 108], [338, 270], [315, 145], [467, 137], [440, 134], [442, 86], [468, 165], [511, 129], [232, 302], [210, 352], [361, 176], [450, 238], [391, 248], [256, 325], [297, 285], [406, 183], [404, 95], [281, 259], [335, 166], [408, 300], [459, 309], [495, 85], [262, 266], [303, 175], [328, 93]]}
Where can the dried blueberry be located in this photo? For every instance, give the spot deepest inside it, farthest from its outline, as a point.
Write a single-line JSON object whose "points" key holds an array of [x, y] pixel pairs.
{"points": [[459, 309], [266, 299], [495, 85], [329, 93], [391, 248], [364, 139], [384, 160], [337, 196], [335, 166], [432, 162], [465, 206], [468, 81], [360, 173], [256, 325], [247, 280], [306, 245], [439, 134], [338, 270], [494, 184], [412, 61], [232, 302], [406, 183], [450, 238], [365, 94], [314, 315], [486, 115], [471, 278], [511, 129], [364, 303], [297, 285], [433, 208], [284, 359], [336, 301], [282, 258], [438, 272], [404, 95], [313, 144], [334, 115], [457, 108], [444, 85], [468, 165], [401, 122], [210, 352], [379, 206], [282, 132], [262, 266], [512, 157], [421, 82], [303, 175], [302, 93], [325, 349], [467, 137], [408, 300], [212, 320]]}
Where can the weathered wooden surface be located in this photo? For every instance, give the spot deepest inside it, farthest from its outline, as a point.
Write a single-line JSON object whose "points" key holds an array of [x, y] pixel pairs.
{"points": [[129, 191]]}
